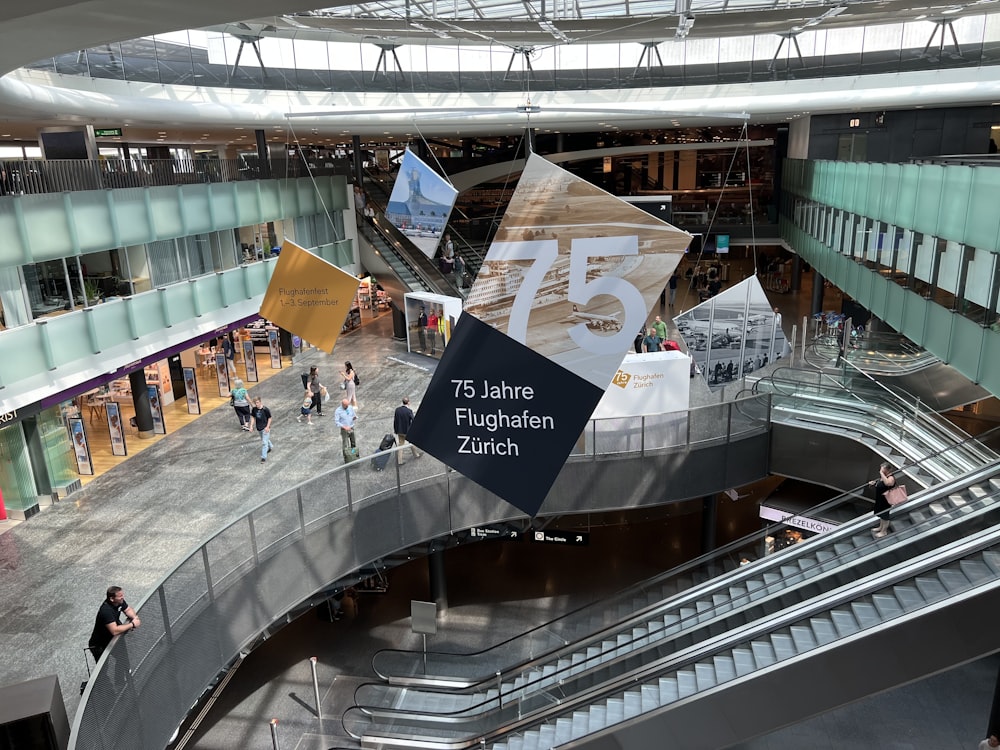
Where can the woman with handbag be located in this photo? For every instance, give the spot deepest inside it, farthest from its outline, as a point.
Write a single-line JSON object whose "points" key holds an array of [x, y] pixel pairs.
{"points": [[349, 383], [883, 484]]}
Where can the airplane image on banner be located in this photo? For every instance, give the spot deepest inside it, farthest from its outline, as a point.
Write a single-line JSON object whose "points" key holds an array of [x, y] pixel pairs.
{"points": [[595, 322]]}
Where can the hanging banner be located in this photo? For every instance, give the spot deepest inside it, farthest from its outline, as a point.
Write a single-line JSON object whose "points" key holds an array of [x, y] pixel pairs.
{"points": [[81, 449], [273, 348], [115, 429], [223, 374], [569, 279], [309, 296], [156, 408], [420, 203], [250, 360], [191, 391], [733, 333]]}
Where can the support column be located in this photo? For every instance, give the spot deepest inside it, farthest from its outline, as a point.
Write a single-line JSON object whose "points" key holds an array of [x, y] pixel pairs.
{"points": [[359, 174], [438, 580], [816, 305], [796, 281], [994, 725], [263, 155], [709, 515], [140, 400]]}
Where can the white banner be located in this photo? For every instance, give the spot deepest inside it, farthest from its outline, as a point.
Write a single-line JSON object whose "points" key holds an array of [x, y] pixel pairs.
{"points": [[654, 383]]}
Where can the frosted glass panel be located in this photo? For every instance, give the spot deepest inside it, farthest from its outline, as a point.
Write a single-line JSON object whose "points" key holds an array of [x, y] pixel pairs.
{"points": [[57, 448], [925, 258], [130, 216], [49, 211], [981, 277], [951, 266], [19, 492]]}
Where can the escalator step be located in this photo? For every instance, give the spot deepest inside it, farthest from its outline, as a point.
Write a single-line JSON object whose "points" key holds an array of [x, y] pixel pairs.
{"points": [[616, 711], [743, 661], [763, 653], [668, 690], [886, 605], [632, 701], [866, 614], [705, 676], [581, 723], [992, 558], [725, 668], [909, 597], [598, 717], [823, 630], [784, 646], [952, 579], [803, 637], [975, 570], [650, 697], [546, 736], [687, 683], [930, 588], [564, 730], [845, 622]]}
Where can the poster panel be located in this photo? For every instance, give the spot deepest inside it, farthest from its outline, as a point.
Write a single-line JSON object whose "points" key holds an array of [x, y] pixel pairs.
{"points": [[191, 391], [733, 333], [223, 374], [569, 279], [430, 319], [273, 348], [420, 203], [156, 407], [654, 383], [115, 429], [308, 296], [81, 448], [250, 360]]}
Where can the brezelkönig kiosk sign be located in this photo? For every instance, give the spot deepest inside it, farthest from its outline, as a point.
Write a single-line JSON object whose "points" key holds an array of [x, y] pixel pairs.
{"points": [[549, 317]]}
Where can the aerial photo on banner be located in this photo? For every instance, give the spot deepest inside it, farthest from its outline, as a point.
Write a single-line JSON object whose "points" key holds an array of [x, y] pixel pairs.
{"points": [[570, 277], [733, 333], [420, 203]]}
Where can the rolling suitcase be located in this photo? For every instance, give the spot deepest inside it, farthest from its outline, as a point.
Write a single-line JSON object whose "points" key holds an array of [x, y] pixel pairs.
{"points": [[350, 454], [381, 457]]}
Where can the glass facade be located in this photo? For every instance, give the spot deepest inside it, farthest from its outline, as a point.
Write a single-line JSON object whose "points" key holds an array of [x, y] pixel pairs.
{"points": [[20, 495]]}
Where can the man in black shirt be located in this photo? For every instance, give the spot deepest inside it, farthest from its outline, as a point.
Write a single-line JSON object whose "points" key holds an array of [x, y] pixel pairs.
{"points": [[108, 622], [401, 421]]}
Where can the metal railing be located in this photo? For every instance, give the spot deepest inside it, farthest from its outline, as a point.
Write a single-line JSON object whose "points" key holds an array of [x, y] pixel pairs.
{"points": [[244, 580], [34, 176]]}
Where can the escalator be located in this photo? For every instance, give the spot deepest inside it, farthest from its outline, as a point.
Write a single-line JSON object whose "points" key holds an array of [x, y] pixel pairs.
{"points": [[889, 423], [710, 626]]}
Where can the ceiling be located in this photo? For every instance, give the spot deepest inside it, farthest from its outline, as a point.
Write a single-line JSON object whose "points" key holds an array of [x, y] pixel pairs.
{"points": [[151, 113]]}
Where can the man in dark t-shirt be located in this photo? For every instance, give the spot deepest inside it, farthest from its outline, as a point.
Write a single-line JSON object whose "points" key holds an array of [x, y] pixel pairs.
{"points": [[108, 622]]}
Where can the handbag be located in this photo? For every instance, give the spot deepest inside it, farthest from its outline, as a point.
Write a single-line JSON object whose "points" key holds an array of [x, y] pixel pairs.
{"points": [[896, 494]]}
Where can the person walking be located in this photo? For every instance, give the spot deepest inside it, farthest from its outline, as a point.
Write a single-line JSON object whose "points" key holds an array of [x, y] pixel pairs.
{"points": [[108, 622], [241, 404], [351, 379], [229, 350], [661, 328], [989, 743], [306, 409], [401, 421], [883, 484], [346, 418], [672, 287], [262, 421], [316, 389], [652, 342], [459, 270]]}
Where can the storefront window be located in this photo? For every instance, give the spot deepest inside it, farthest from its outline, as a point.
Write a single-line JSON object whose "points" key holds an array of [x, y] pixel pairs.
{"points": [[56, 447], [16, 480]]}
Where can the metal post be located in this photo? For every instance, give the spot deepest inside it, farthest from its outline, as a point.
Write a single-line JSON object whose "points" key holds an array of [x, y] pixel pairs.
{"points": [[274, 734], [319, 707], [499, 691]]}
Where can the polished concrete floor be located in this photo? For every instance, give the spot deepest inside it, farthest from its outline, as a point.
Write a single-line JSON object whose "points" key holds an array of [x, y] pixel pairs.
{"points": [[134, 523]]}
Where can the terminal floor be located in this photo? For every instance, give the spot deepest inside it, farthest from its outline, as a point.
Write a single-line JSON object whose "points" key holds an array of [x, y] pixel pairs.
{"points": [[132, 524]]}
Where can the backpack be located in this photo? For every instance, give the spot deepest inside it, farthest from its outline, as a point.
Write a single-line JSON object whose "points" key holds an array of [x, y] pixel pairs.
{"points": [[357, 380]]}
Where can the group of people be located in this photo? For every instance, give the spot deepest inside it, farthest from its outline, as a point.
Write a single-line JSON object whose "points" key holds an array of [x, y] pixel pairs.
{"points": [[451, 262], [654, 339], [429, 326]]}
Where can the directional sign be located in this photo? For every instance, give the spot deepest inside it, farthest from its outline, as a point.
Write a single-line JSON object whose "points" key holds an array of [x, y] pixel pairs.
{"points": [[495, 532], [552, 536]]}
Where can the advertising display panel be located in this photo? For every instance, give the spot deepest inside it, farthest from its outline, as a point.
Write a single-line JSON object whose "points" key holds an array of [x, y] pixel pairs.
{"points": [[250, 360], [733, 333], [307, 296], [420, 203], [115, 429], [570, 277], [191, 391], [156, 409], [81, 449]]}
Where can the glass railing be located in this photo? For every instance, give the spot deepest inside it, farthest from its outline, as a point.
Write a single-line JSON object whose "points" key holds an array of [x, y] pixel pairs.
{"points": [[33, 176], [243, 579]]}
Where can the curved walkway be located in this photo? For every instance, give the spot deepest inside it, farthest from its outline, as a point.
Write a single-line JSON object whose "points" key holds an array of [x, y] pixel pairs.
{"points": [[132, 525]]}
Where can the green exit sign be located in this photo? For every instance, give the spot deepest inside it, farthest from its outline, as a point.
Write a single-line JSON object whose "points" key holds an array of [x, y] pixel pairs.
{"points": [[107, 132]]}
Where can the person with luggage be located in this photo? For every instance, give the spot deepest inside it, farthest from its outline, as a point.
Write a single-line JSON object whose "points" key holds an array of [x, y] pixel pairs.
{"points": [[316, 388], [401, 421], [346, 418]]}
